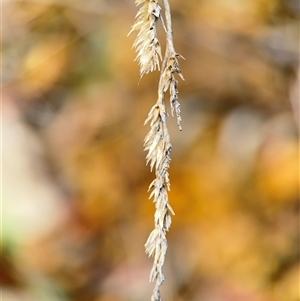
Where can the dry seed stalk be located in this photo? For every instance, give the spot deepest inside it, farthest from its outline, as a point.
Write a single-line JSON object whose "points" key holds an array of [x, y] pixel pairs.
{"points": [[157, 141]]}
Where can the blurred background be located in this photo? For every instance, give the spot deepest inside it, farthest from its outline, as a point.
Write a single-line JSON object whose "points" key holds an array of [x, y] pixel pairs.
{"points": [[76, 212]]}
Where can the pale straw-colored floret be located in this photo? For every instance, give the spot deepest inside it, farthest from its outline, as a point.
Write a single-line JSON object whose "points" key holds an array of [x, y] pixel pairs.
{"points": [[146, 44]]}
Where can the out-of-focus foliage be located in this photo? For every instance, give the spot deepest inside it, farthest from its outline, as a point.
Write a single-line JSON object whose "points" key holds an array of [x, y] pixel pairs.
{"points": [[75, 208]]}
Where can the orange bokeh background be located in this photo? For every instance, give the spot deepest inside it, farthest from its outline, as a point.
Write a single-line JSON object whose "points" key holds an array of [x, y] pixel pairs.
{"points": [[76, 212]]}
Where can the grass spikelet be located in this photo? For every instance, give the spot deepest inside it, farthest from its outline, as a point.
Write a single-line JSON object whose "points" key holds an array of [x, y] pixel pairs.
{"points": [[146, 43]]}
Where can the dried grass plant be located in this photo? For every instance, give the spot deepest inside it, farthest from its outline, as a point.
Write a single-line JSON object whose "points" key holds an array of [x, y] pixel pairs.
{"points": [[157, 142]]}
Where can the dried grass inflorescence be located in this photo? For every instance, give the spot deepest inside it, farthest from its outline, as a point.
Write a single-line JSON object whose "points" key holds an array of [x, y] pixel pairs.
{"points": [[157, 142]]}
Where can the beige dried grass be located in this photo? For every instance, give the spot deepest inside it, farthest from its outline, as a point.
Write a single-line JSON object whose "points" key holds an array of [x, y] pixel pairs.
{"points": [[157, 142]]}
